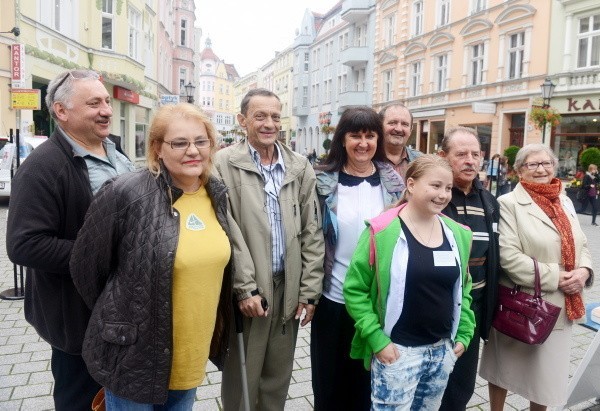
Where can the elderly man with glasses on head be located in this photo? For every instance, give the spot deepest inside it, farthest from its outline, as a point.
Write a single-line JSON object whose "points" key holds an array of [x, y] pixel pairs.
{"points": [[51, 193]]}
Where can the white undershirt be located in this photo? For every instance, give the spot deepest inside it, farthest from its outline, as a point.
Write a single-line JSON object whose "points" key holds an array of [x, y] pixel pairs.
{"points": [[355, 205]]}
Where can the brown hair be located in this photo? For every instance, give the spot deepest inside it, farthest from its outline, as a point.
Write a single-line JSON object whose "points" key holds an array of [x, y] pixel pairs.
{"points": [[162, 119], [419, 167], [453, 130]]}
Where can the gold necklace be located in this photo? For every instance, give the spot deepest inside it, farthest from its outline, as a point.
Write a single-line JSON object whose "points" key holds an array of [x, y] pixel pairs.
{"points": [[426, 244], [373, 170]]}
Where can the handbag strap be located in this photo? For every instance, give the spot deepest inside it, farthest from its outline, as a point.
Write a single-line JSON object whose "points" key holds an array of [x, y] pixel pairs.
{"points": [[537, 281]]}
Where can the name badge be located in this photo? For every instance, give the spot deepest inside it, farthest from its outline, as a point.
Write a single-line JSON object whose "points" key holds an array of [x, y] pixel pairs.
{"points": [[444, 259]]}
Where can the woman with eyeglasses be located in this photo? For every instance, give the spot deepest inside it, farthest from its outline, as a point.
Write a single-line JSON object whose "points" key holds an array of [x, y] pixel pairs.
{"points": [[154, 261], [355, 184], [538, 220]]}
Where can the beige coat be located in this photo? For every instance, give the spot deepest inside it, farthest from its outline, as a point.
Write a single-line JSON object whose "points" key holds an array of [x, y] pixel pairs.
{"points": [[301, 219], [525, 232]]}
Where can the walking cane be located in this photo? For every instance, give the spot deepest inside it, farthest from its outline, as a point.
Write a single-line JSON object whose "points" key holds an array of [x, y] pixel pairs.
{"points": [[239, 330]]}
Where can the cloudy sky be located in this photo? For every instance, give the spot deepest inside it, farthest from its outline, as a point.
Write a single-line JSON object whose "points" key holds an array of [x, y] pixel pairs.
{"points": [[247, 33]]}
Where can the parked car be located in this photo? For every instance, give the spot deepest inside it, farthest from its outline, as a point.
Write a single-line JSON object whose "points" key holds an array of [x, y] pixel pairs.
{"points": [[7, 159]]}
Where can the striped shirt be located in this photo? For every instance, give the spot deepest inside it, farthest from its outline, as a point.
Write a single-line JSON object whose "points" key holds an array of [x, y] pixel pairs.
{"points": [[471, 213], [272, 175]]}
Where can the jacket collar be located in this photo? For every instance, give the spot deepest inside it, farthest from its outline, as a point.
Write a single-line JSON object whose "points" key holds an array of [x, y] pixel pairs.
{"points": [[240, 158], [523, 198]]}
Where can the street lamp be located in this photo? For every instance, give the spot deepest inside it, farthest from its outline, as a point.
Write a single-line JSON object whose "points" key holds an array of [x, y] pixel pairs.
{"points": [[547, 91], [189, 92]]}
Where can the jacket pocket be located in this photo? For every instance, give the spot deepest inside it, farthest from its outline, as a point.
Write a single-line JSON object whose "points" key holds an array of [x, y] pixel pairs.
{"points": [[119, 333]]}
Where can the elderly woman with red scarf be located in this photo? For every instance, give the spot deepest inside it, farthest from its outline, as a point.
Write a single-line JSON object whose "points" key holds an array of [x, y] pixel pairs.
{"points": [[538, 220]]}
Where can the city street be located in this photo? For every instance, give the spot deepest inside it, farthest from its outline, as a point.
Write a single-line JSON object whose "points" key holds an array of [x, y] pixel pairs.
{"points": [[26, 380]]}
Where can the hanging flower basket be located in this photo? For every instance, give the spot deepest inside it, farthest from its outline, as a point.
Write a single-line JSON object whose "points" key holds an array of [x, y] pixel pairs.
{"points": [[327, 129], [540, 116]]}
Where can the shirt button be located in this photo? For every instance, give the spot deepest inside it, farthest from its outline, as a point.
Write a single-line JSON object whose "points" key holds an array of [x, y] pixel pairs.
{"points": [[122, 338], [176, 214]]}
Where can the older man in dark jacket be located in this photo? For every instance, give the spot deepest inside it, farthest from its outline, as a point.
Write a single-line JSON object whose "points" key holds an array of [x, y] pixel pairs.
{"points": [[51, 192]]}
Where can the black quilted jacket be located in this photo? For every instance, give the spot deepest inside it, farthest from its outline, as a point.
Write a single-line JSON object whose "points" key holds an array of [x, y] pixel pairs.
{"points": [[122, 264]]}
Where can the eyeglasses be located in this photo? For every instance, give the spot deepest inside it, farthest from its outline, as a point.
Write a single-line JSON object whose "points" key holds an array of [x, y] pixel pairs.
{"points": [[534, 165], [185, 144], [75, 75]]}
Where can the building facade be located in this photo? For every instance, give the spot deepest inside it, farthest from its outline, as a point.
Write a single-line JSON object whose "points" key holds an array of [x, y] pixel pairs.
{"points": [[333, 68]]}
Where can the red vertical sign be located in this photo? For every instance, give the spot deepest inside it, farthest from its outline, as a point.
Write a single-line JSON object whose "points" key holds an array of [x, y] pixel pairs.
{"points": [[17, 57]]}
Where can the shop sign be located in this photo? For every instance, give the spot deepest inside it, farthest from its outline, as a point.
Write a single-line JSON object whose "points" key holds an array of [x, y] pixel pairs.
{"points": [[17, 63], [575, 105], [124, 94], [26, 99], [484, 108], [169, 99]]}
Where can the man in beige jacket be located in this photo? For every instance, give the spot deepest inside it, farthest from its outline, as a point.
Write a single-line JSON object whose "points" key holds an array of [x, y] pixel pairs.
{"points": [[273, 200]]}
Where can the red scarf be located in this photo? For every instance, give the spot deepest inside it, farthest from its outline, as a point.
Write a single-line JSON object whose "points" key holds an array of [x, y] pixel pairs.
{"points": [[547, 197]]}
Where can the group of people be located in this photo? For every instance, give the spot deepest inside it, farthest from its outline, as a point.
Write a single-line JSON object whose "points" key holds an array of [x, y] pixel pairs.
{"points": [[134, 277]]}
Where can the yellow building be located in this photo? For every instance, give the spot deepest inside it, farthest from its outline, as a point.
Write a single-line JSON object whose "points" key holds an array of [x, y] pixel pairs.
{"points": [[477, 63], [7, 39], [113, 37]]}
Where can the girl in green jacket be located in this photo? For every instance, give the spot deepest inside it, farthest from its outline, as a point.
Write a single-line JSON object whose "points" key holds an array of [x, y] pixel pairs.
{"points": [[408, 289]]}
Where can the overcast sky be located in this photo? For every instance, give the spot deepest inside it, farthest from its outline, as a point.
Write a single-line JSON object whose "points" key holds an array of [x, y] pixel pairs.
{"points": [[248, 33]]}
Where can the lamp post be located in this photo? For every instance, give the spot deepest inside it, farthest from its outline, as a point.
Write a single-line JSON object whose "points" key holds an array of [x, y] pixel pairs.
{"points": [[547, 91], [189, 92]]}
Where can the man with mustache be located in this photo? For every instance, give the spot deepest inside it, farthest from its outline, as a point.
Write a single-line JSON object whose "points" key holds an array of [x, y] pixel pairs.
{"points": [[478, 209], [397, 126], [51, 192]]}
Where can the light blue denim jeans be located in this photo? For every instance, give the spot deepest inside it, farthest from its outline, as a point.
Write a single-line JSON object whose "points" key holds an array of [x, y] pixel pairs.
{"points": [[416, 381], [178, 400]]}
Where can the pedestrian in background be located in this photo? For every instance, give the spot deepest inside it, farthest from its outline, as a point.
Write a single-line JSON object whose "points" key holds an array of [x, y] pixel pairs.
{"points": [[408, 289], [537, 220], [356, 184], [590, 186], [273, 200], [51, 193], [154, 261]]}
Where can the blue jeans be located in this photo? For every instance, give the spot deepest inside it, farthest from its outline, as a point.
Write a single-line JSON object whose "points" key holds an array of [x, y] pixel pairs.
{"points": [[178, 400], [416, 381]]}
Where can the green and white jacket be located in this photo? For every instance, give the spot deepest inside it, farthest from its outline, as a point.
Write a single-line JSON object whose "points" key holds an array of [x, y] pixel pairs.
{"points": [[374, 292]]}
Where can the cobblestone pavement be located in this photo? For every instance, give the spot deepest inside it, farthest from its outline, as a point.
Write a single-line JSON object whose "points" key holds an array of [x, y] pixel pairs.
{"points": [[26, 380]]}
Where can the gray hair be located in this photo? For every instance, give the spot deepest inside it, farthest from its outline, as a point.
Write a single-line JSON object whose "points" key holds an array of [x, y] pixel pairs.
{"points": [[530, 149], [255, 92], [452, 131], [61, 88]]}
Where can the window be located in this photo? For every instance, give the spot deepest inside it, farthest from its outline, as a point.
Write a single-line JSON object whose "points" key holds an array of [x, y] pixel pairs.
{"points": [[415, 79], [342, 83], [135, 28], [388, 85], [588, 50], [389, 30], [360, 36], [306, 57], [56, 14], [183, 31], [477, 64], [305, 96], [343, 39], [417, 28], [516, 48], [477, 6], [360, 76], [182, 79], [443, 12], [107, 24], [441, 72], [141, 124]]}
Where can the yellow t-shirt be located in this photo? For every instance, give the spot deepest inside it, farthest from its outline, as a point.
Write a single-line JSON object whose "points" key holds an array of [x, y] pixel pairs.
{"points": [[202, 254]]}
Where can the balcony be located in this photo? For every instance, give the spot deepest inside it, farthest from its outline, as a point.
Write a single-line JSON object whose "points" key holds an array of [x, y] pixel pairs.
{"points": [[355, 56], [300, 111], [352, 99], [354, 11]]}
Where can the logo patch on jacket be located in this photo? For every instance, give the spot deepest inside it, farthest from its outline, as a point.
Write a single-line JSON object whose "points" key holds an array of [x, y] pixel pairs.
{"points": [[194, 223]]}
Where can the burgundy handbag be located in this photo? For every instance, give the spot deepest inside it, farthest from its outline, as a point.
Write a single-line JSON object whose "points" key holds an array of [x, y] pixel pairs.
{"points": [[525, 317]]}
